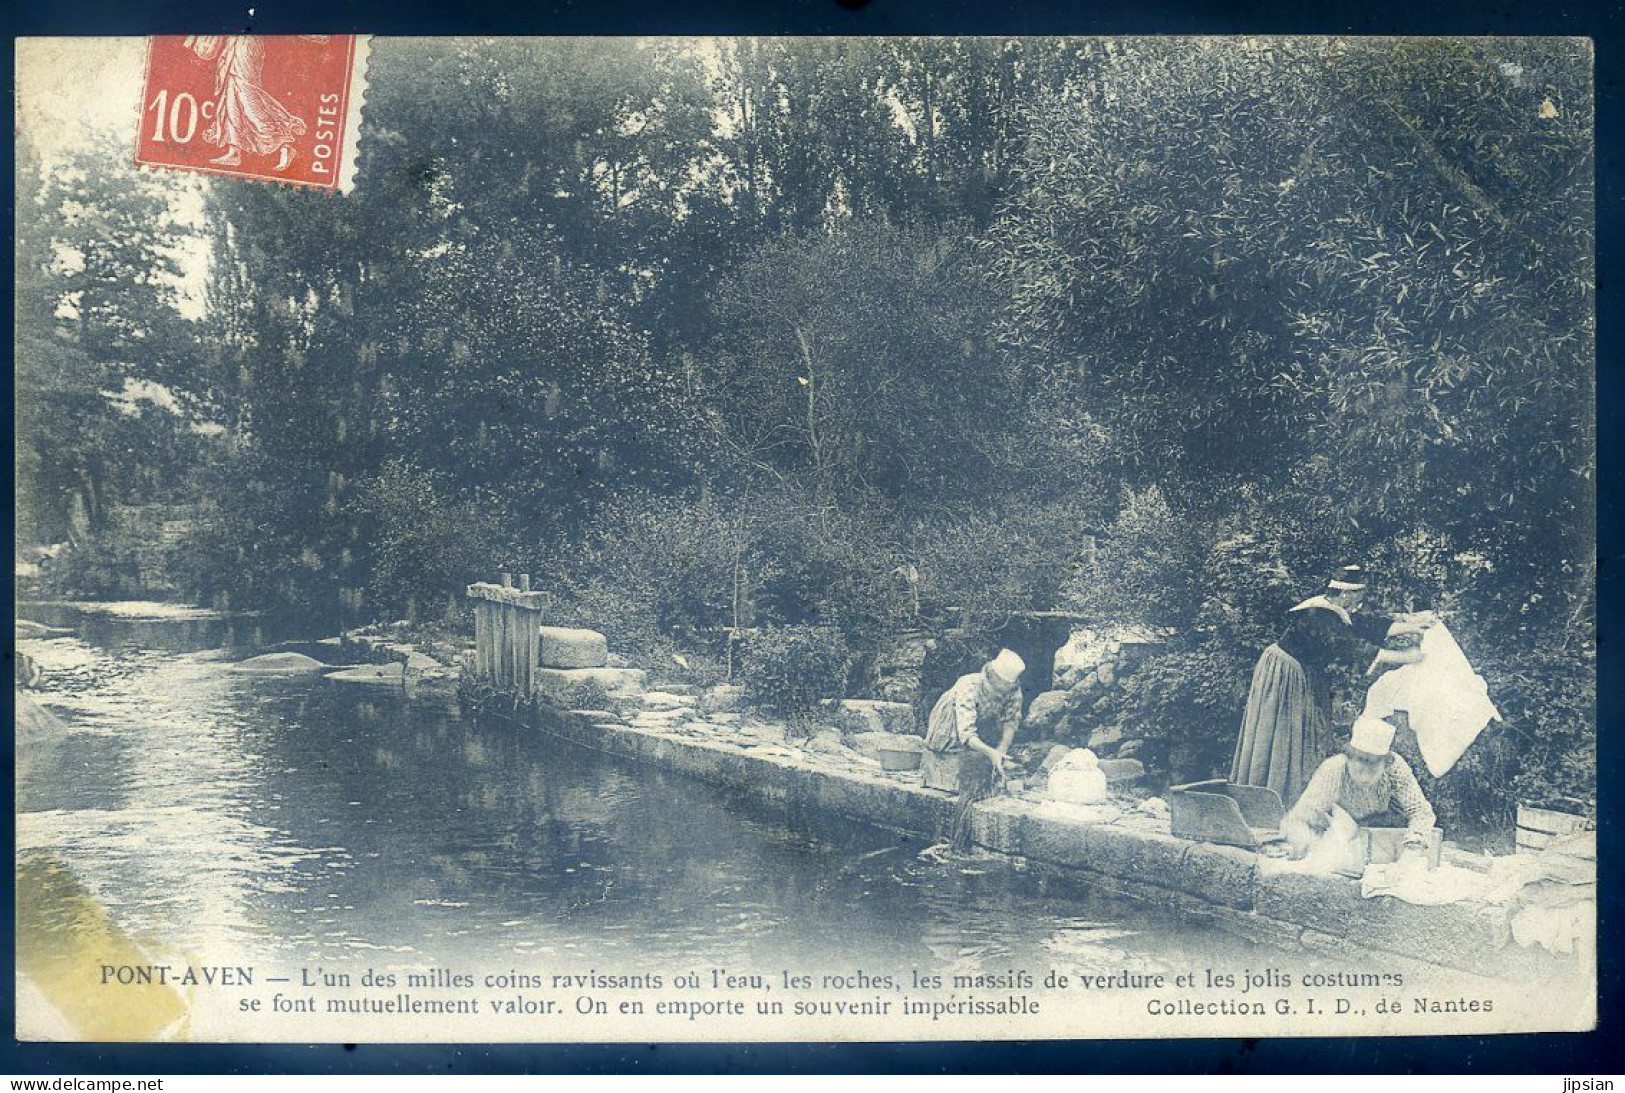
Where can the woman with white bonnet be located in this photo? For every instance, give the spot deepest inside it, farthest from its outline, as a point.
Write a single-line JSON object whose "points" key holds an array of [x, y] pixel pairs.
{"points": [[1287, 728], [976, 719], [1367, 783]]}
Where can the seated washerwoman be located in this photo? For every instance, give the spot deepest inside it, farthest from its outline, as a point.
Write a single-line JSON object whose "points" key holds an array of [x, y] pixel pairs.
{"points": [[1367, 784]]}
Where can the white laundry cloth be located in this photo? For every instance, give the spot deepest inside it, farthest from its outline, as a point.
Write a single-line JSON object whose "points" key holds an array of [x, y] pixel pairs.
{"points": [[1077, 779], [1336, 852], [1448, 703], [1556, 929], [1411, 881]]}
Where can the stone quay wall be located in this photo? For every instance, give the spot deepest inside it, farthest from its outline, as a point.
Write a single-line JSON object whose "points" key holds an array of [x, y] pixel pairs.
{"points": [[567, 684], [1232, 888]]}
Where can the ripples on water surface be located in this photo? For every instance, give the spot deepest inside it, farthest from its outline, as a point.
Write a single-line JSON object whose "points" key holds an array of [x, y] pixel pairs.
{"points": [[247, 819]]}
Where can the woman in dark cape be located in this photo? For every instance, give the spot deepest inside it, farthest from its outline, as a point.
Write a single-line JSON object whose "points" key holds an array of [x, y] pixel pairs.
{"points": [[1287, 729]]}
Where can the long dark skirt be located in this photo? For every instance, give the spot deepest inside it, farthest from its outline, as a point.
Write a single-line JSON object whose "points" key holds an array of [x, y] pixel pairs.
{"points": [[977, 780], [1287, 729]]}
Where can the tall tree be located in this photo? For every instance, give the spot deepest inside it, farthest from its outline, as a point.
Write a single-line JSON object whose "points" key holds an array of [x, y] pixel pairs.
{"points": [[103, 363], [1357, 273], [860, 361]]}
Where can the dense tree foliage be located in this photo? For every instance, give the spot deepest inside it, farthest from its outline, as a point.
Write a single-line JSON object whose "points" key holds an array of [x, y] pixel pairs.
{"points": [[879, 335], [105, 372]]}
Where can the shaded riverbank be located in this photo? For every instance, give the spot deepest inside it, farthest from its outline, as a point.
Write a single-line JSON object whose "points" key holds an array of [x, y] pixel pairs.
{"points": [[1122, 851], [291, 822]]}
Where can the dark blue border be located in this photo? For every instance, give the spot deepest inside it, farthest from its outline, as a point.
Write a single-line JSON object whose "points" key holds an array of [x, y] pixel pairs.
{"points": [[1573, 1054]]}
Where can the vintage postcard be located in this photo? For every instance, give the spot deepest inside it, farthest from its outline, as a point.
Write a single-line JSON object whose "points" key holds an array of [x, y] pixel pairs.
{"points": [[571, 539]]}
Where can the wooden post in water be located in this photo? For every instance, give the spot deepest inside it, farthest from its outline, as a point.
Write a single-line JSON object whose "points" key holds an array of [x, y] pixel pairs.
{"points": [[507, 640]]}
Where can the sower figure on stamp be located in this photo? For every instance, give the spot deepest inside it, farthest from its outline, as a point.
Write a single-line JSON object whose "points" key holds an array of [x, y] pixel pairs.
{"points": [[975, 720], [246, 117], [1287, 728]]}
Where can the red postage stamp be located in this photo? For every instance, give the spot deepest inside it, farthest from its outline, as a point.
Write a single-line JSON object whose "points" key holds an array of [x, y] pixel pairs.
{"points": [[277, 108]]}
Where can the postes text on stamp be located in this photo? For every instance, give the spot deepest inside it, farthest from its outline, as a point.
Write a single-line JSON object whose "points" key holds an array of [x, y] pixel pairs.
{"points": [[276, 108]]}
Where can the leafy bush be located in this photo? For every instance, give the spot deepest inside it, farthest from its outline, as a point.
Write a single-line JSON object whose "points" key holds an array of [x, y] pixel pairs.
{"points": [[426, 543], [989, 563], [663, 575], [657, 573], [101, 567], [789, 670], [1186, 703], [835, 566], [1546, 696], [1146, 569]]}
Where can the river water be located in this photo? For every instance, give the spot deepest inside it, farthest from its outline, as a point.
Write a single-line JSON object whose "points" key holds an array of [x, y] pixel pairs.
{"points": [[298, 822]]}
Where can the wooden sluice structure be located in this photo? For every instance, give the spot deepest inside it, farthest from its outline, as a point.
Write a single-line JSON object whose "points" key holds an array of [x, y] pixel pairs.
{"points": [[507, 633]]}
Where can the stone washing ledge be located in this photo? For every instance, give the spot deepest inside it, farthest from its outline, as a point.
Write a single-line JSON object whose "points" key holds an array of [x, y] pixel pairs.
{"points": [[1233, 888]]}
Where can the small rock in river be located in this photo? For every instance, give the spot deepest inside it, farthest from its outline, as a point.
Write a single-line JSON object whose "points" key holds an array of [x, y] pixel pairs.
{"points": [[373, 674], [279, 664], [28, 628]]}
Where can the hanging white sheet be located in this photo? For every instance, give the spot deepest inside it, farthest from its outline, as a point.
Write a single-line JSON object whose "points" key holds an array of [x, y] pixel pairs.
{"points": [[1447, 701]]}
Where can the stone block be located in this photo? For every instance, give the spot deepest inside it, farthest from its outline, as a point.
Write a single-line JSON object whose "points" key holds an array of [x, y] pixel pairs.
{"points": [[561, 686], [1046, 714], [564, 647], [1122, 770], [1224, 875], [1330, 904], [1105, 738], [724, 698], [1265, 931], [668, 700], [1143, 857], [997, 825], [1463, 935], [868, 743], [1138, 857]]}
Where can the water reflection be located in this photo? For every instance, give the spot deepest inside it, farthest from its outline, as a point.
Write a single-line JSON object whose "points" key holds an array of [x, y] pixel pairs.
{"points": [[298, 820]]}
